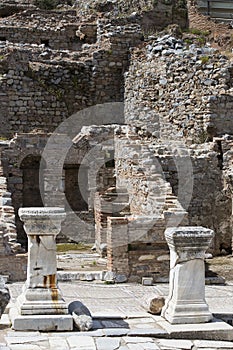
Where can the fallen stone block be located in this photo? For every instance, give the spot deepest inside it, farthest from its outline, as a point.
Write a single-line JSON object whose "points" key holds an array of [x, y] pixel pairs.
{"points": [[81, 316], [154, 305]]}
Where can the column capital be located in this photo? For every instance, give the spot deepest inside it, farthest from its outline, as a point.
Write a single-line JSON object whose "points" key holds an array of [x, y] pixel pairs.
{"points": [[42, 221], [189, 242]]}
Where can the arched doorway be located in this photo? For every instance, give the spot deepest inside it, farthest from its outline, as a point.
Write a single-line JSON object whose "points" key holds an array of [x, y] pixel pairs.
{"points": [[33, 174]]}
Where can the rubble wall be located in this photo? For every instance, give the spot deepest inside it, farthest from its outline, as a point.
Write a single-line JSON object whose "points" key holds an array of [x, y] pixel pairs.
{"points": [[178, 91], [209, 204], [56, 30], [195, 176], [151, 14], [40, 87]]}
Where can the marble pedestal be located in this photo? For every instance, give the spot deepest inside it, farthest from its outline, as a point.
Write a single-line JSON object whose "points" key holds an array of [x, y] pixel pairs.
{"points": [[186, 301], [41, 305]]}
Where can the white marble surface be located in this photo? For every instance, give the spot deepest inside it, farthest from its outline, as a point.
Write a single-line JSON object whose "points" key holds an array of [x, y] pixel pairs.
{"points": [[186, 300], [41, 305]]}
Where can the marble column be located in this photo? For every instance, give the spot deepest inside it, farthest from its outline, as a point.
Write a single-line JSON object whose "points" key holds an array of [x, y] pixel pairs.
{"points": [[186, 301], [41, 296]]}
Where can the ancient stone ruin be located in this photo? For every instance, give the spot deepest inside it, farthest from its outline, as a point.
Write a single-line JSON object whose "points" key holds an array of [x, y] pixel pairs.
{"points": [[186, 301], [128, 130], [41, 305]]}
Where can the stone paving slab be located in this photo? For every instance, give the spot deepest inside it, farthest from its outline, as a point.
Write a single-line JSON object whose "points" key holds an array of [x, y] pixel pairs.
{"points": [[123, 323], [121, 297], [57, 341], [215, 330]]}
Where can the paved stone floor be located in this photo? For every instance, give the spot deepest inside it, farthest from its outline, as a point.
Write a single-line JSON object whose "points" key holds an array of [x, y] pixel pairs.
{"points": [[120, 322]]}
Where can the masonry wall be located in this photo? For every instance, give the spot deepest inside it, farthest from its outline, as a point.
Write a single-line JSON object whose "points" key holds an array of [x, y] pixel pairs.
{"points": [[177, 91], [9, 7], [151, 14], [136, 243], [56, 30], [208, 203], [135, 255], [196, 177], [40, 88], [14, 266]]}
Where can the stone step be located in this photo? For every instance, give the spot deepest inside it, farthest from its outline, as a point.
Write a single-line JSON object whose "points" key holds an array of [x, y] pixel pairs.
{"points": [[81, 275]]}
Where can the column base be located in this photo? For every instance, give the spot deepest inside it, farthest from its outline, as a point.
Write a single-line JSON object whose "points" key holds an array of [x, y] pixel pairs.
{"points": [[42, 301], [185, 312], [40, 322], [41, 309]]}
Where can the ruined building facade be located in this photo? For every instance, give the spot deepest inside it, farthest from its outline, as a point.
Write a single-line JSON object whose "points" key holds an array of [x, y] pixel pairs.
{"points": [[130, 135]]}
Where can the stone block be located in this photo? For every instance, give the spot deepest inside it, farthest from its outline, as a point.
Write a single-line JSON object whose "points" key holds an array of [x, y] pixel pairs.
{"points": [[147, 281], [81, 342], [81, 315], [175, 344], [58, 343], [215, 330], [108, 343], [154, 305], [44, 323]]}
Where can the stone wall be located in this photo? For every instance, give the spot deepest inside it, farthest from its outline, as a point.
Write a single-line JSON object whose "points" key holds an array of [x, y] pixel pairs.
{"points": [[13, 261], [9, 7], [40, 87], [56, 30], [27, 150], [136, 244], [138, 169], [151, 14], [14, 266], [209, 204], [111, 202], [12, 156], [179, 91], [160, 173], [184, 93]]}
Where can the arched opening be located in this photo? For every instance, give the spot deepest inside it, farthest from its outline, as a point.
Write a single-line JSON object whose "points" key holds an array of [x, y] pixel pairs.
{"points": [[33, 173], [76, 186]]}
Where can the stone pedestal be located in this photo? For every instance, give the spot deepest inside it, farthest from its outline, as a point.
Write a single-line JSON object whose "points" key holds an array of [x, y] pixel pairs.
{"points": [[186, 301], [41, 295]]}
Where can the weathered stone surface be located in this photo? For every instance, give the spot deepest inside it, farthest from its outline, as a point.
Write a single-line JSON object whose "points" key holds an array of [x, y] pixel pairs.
{"points": [[108, 343], [147, 281], [81, 342], [4, 295], [46, 323], [41, 296], [154, 305], [81, 316], [186, 301], [215, 330]]}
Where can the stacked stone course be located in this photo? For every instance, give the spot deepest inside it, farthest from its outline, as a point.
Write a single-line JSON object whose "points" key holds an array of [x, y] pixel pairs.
{"points": [[151, 15], [41, 87], [184, 91]]}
